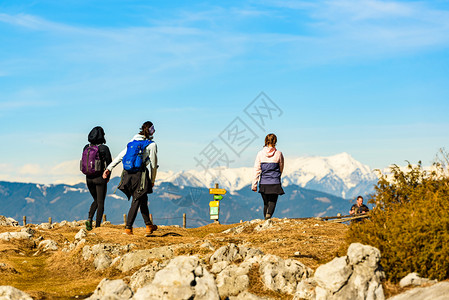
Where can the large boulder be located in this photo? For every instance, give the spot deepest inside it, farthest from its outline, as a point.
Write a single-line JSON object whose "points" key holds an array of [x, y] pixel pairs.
{"points": [[140, 258], [11, 293], [334, 274], [47, 245], [145, 275], [439, 291], [111, 290], [8, 236], [233, 280], [233, 252], [282, 275], [4, 221], [413, 279], [183, 278], [81, 234], [355, 276]]}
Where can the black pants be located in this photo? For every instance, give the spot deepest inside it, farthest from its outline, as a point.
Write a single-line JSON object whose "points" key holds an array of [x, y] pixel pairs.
{"points": [[137, 203], [98, 188], [269, 203]]}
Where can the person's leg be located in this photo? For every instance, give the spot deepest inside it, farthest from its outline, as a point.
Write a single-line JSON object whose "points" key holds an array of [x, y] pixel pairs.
{"points": [[143, 204], [265, 204], [93, 207], [102, 186], [132, 213], [272, 200]]}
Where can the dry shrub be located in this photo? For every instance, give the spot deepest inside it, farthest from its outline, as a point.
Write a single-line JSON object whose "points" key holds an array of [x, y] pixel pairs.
{"points": [[410, 223]]}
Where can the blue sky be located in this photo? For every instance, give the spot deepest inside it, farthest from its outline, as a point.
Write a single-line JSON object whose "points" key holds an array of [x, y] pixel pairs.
{"points": [[369, 78]]}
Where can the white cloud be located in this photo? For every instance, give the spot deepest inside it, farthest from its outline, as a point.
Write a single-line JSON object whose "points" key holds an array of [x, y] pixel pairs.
{"points": [[30, 169]]}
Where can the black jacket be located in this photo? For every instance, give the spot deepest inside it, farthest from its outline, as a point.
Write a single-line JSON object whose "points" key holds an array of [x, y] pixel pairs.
{"points": [[96, 137], [135, 184]]}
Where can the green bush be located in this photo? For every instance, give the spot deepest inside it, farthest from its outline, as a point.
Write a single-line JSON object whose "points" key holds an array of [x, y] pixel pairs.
{"points": [[410, 222]]}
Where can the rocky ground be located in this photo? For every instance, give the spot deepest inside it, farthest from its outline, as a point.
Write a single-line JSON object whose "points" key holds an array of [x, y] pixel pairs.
{"points": [[274, 259]]}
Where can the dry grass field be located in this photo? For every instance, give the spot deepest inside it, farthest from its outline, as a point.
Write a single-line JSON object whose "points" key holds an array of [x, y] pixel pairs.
{"points": [[66, 275]]}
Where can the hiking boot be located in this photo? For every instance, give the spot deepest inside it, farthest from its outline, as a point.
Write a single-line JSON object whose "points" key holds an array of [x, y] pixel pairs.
{"points": [[88, 225], [150, 229], [129, 231]]}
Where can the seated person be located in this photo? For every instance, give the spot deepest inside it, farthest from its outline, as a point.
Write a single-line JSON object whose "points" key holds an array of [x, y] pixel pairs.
{"points": [[359, 208]]}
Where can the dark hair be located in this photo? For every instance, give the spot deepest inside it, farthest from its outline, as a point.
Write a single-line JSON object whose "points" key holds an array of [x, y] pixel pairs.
{"points": [[359, 197], [96, 136], [145, 129], [271, 139]]}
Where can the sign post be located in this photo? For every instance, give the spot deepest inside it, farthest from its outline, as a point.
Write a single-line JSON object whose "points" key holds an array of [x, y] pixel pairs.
{"points": [[215, 205]]}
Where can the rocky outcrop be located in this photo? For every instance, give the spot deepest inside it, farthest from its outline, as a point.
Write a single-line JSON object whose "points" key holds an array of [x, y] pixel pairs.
{"points": [[233, 280], [145, 275], [11, 293], [439, 291], [140, 258], [413, 279], [184, 277], [282, 275], [21, 235], [6, 268], [104, 255], [4, 221], [47, 245], [355, 276], [232, 252], [111, 289]]}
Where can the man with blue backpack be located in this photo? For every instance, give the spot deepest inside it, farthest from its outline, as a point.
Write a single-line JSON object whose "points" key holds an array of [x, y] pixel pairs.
{"points": [[137, 181]]}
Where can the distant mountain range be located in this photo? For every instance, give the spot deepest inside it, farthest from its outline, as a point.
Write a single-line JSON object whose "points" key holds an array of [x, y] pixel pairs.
{"points": [[340, 175], [313, 186]]}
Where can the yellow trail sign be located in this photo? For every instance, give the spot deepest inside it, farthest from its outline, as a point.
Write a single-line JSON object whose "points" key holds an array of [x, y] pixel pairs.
{"points": [[217, 191], [214, 203]]}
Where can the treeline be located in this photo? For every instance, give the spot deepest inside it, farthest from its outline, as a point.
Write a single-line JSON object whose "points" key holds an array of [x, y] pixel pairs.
{"points": [[410, 221]]}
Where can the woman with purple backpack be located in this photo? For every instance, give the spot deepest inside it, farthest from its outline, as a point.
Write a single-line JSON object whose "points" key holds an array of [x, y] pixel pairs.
{"points": [[96, 156]]}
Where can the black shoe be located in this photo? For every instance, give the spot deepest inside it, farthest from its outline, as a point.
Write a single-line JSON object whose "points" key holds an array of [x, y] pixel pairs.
{"points": [[88, 225]]}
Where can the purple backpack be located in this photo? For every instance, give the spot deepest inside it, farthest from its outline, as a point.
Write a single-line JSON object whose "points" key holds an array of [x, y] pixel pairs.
{"points": [[90, 161]]}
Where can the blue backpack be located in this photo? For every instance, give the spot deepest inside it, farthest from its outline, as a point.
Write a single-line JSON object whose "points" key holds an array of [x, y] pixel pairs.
{"points": [[132, 161]]}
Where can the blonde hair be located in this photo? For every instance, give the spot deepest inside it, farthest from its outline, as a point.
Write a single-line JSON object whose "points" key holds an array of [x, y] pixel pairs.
{"points": [[271, 139]]}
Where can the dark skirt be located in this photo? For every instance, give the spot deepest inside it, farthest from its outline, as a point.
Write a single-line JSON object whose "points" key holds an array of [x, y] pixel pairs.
{"points": [[271, 189]]}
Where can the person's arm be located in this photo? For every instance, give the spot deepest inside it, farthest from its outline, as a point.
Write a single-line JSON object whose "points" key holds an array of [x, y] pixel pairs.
{"points": [[281, 163], [113, 164], [105, 156], [257, 171], [153, 161], [351, 212]]}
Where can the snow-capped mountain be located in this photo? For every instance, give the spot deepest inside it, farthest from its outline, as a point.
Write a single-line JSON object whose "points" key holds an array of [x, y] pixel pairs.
{"points": [[339, 175]]}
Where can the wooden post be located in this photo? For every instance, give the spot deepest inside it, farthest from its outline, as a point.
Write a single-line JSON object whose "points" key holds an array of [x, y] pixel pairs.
{"points": [[124, 218], [216, 221], [151, 218], [184, 221], [104, 218], [24, 220], [49, 220]]}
